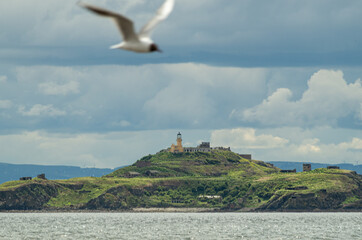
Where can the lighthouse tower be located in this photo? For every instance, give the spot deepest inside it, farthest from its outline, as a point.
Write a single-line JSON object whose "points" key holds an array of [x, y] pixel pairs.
{"points": [[179, 141], [178, 147]]}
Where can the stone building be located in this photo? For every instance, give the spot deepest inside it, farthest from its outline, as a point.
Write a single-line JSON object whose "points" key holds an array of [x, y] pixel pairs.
{"points": [[131, 174], [42, 176], [25, 178], [203, 147], [332, 167], [222, 148], [307, 167], [289, 171]]}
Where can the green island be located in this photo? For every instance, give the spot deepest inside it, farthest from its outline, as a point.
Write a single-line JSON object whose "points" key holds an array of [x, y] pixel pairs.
{"points": [[219, 180]]}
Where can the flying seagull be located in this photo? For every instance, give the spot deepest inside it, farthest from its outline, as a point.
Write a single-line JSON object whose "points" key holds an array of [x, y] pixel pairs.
{"points": [[141, 42]]}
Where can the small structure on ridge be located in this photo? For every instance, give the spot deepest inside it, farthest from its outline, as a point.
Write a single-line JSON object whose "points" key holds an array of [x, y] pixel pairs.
{"points": [[333, 167], [25, 178], [289, 171], [42, 176], [307, 167]]}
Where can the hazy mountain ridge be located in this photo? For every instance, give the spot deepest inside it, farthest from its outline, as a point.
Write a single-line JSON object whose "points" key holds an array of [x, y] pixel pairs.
{"points": [[12, 172]]}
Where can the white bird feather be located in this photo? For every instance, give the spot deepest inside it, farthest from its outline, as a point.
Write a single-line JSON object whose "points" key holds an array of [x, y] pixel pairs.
{"points": [[132, 41]]}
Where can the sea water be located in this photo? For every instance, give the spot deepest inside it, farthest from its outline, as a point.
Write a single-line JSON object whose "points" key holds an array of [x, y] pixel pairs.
{"points": [[181, 226]]}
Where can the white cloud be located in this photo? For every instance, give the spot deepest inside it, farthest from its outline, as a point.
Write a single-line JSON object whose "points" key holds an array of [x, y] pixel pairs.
{"points": [[4, 104], [200, 95], [309, 146], [50, 78], [53, 88], [148, 96], [327, 99], [115, 149], [180, 103], [186, 95], [319, 145], [38, 147], [356, 144], [110, 150], [277, 108], [245, 138], [123, 123], [189, 95], [41, 110], [3, 79]]}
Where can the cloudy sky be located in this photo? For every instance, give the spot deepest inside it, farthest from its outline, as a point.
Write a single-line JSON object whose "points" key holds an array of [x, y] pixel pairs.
{"points": [[279, 79]]}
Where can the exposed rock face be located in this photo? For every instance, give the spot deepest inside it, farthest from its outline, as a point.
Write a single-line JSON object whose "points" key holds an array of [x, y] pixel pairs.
{"points": [[321, 200], [114, 198], [308, 201], [27, 197], [119, 198], [355, 205]]}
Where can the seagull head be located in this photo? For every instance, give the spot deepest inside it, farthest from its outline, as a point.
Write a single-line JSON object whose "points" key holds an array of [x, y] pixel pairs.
{"points": [[154, 47]]}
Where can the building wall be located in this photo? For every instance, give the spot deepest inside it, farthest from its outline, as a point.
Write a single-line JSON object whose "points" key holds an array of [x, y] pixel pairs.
{"points": [[177, 148], [203, 147], [307, 167]]}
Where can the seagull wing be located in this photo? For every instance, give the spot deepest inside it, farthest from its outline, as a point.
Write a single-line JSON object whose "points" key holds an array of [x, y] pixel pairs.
{"points": [[162, 13], [124, 24]]}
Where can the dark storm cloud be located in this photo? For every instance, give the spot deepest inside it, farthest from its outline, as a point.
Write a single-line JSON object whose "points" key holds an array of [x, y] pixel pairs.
{"points": [[239, 33]]}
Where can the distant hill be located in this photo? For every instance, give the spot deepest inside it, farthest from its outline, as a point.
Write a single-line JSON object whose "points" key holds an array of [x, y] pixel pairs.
{"points": [[299, 166], [10, 172]]}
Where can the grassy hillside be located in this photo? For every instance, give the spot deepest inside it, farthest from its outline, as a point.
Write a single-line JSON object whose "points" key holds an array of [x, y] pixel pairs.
{"points": [[213, 164], [220, 180]]}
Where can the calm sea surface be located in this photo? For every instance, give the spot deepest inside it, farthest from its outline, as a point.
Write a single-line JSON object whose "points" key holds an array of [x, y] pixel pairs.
{"points": [[181, 226]]}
